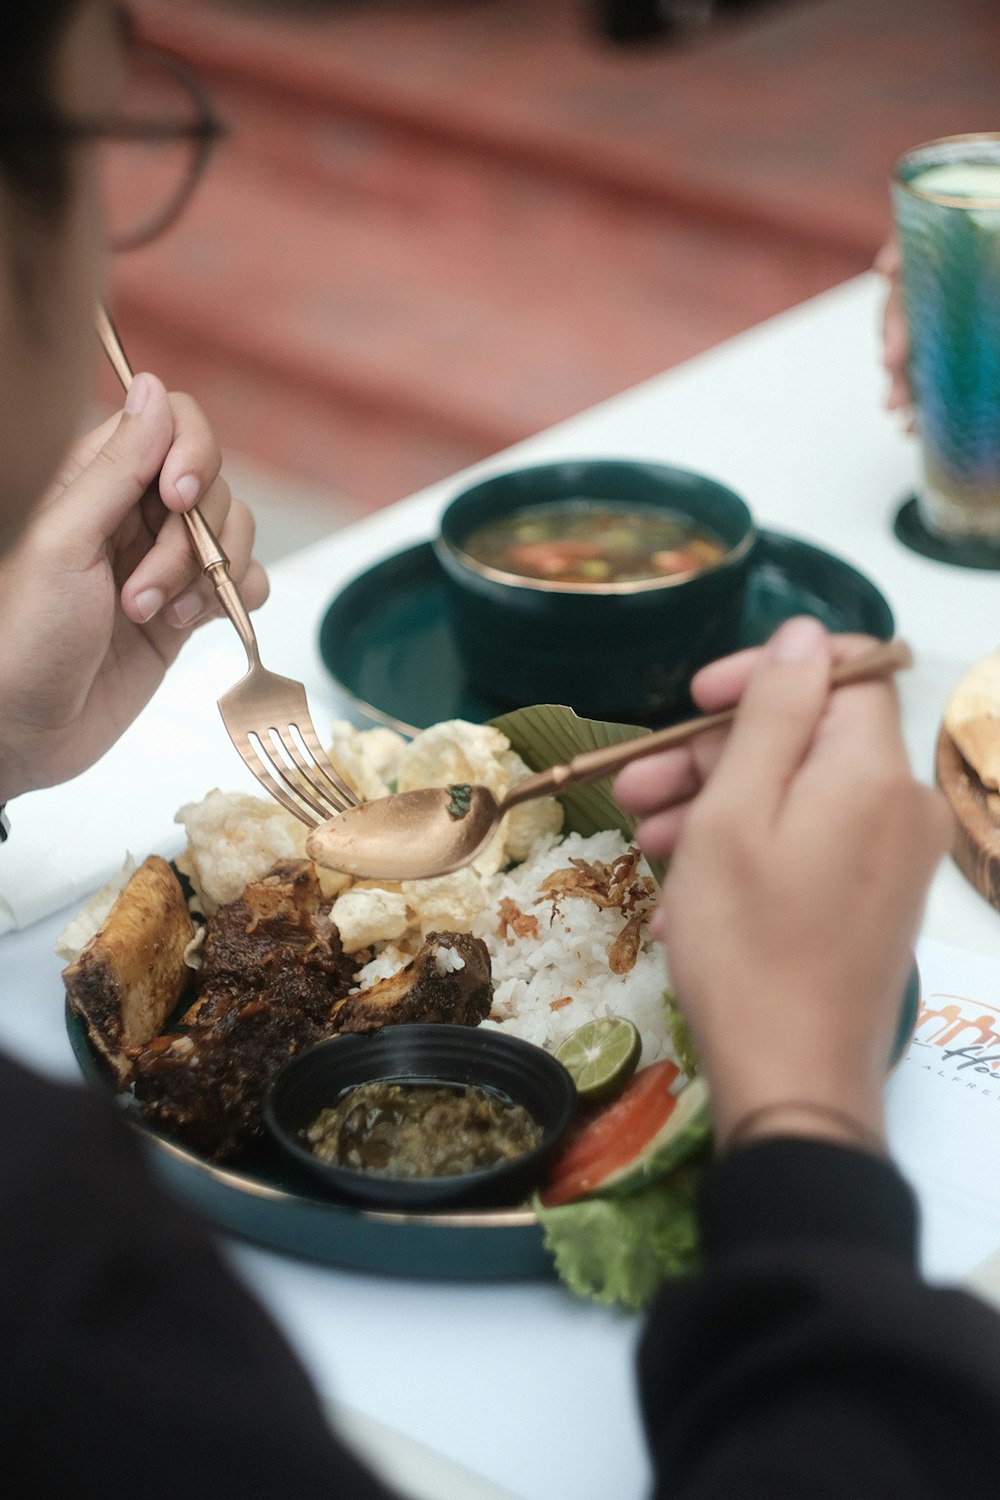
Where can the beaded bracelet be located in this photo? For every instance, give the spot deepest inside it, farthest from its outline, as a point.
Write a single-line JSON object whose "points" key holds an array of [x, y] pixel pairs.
{"points": [[864, 1137]]}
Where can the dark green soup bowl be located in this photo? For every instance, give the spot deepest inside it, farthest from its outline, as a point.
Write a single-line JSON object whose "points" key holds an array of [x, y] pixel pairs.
{"points": [[608, 650]]}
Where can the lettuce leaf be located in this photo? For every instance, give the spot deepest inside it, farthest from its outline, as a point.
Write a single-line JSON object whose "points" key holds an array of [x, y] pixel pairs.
{"points": [[620, 1250]]}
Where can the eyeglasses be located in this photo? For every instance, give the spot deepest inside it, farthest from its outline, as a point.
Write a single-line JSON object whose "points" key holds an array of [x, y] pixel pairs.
{"points": [[151, 152]]}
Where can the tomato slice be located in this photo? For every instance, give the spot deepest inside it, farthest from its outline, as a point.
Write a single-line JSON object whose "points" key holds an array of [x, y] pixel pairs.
{"points": [[644, 1095], [613, 1136]]}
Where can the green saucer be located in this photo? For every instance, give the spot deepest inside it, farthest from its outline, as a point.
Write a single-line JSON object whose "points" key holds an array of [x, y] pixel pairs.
{"points": [[387, 642]]}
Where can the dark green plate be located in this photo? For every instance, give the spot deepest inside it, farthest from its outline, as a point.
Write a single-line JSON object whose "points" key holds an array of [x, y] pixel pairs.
{"points": [[386, 640], [263, 1198]]}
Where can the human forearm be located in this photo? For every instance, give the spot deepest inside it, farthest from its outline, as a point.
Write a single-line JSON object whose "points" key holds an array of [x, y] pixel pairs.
{"points": [[807, 1358], [129, 1350]]}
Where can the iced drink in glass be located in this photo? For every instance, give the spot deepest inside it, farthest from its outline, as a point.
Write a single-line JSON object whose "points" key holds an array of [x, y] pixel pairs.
{"points": [[946, 197]]}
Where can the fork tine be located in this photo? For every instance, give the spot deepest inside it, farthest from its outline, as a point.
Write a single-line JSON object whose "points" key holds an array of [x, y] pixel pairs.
{"points": [[258, 763], [273, 755], [323, 763], [326, 800], [323, 777]]}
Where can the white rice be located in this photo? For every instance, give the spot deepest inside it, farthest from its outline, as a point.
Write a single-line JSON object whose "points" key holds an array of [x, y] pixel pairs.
{"points": [[567, 962], [569, 957]]}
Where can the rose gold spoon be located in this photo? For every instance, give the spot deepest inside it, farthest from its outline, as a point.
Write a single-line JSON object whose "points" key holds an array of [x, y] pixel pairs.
{"points": [[413, 835]]}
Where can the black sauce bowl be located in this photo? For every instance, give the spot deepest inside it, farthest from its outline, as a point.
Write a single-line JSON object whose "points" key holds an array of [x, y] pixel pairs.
{"points": [[424, 1054], [608, 650]]}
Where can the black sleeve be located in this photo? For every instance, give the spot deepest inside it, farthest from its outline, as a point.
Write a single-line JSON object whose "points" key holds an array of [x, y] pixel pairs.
{"points": [[131, 1362], [807, 1358]]}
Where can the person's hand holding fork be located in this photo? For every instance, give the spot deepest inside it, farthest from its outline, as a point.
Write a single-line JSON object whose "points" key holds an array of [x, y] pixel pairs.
{"points": [[102, 588]]}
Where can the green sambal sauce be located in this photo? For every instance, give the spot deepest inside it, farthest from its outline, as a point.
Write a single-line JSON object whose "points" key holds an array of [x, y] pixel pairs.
{"points": [[421, 1130]]}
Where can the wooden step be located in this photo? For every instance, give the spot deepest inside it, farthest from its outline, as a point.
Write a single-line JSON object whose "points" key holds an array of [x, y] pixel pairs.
{"points": [[440, 227], [787, 119], [371, 348]]}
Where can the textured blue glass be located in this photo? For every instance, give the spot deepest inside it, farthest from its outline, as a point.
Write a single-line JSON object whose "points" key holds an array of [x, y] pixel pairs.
{"points": [[951, 285]]}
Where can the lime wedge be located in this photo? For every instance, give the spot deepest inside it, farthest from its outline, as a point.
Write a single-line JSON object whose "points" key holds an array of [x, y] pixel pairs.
{"points": [[600, 1056]]}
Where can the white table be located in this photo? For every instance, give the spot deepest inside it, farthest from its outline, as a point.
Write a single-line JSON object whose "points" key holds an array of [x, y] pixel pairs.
{"points": [[530, 1388]]}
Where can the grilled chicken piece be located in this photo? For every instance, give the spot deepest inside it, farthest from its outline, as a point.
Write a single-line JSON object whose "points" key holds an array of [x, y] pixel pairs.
{"points": [[449, 980], [272, 968], [205, 1087], [274, 980], [278, 934], [126, 981]]}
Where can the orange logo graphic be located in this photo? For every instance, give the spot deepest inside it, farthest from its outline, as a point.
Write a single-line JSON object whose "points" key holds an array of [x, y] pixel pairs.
{"points": [[966, 1031]]}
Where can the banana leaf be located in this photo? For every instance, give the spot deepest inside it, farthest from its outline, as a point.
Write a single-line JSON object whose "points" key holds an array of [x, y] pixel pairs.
{"points": [[549, 734]]}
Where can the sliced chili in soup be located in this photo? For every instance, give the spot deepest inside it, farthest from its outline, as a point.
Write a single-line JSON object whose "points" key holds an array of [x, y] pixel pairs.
{"points": [[595, 542]]}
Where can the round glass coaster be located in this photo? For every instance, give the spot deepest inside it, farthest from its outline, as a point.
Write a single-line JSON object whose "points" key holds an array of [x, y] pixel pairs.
{"points": [[912, 532]]}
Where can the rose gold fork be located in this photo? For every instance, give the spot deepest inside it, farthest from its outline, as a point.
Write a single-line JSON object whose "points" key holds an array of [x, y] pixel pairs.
{"points": [[266, 715]]}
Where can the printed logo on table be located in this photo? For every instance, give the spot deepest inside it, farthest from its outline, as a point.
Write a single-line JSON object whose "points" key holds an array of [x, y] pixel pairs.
{"points": [[958, 1037]]}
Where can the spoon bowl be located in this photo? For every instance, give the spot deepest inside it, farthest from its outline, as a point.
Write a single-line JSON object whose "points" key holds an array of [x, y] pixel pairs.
{"points": [[409, 835], [435, 830]]}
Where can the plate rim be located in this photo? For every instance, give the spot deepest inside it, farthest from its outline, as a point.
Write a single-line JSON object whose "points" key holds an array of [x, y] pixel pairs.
{"points": [[242, 1181], [518, 1250]]}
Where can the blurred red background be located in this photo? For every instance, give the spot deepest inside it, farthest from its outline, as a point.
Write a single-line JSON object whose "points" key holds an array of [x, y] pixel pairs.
{"points": [[437, 228]]}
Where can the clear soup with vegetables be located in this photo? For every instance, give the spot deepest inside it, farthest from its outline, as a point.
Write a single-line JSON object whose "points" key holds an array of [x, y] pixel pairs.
{"points": [[591, 541]]}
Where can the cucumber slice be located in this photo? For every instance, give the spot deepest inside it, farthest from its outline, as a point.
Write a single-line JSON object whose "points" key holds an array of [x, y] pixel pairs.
{"points": [[679, 1137]]}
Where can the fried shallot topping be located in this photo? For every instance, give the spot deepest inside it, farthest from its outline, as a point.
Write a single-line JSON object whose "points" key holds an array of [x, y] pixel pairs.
{"points": [[615, 887], [513, 919]]}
